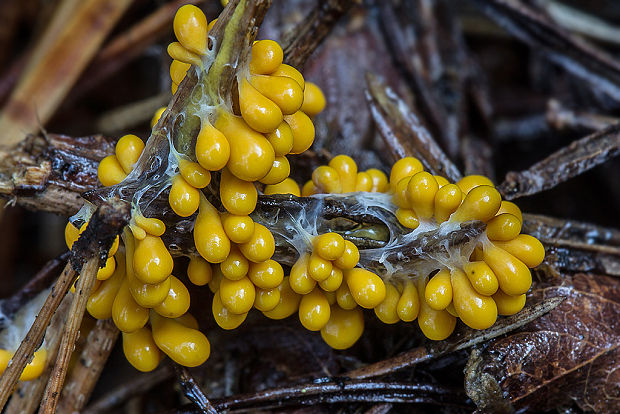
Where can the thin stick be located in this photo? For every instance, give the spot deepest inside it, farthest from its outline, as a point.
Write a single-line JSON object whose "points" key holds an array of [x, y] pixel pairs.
{"points": [[35, 334], [72, 330], [84, 375], [192, 391]]}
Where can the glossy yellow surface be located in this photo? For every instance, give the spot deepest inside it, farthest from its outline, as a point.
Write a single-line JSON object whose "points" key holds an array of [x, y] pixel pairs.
{"points": [[183, 198], [32, 370], [303, 131], [235, 266], [290, 72], [288, 304], [283, 91], [128, 316], [309, 189], [148, 295], [266, 299], [288, 186], [405, 167], [314, 310], [140, 350], [199, 271], [438, 292], [300, 280], [508, 305], [467, 183], [435, 325], [260, 112], [344, 298], [266, 57], [329, 246], [72, 233], [481, 203], [178, 70], [503, 227], [214, 284], [344, 327], [138, 232], [194, 173], [223, 317], [421, 192], [185, 346], [347, 171], [153, 226], [281, 139], [475, 310], [333, 281], [266, 275], [319, 268], [407, 218], [152, 262], [526, 248], [178, 52], [188, 321], [400, 197], [408, 305], [441, 180], [157, 115], [209, 236], [314, 100], [387, 311], [327, 180], [177, 302], [100, 301], [110, 172], [190, 28], [349, 257], [279, 171], [251, 155], [128, 150], [367, 288], [239, 229], [363, 182], [447, 199], [481, 277], [106, 271], [261, 245], [238, 197], [512, 274], [379, 180], [237, 295], [510, 207], [212, 148]]}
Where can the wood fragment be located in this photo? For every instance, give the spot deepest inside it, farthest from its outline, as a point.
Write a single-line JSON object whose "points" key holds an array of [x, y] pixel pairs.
{"points": [[70, 41], [123, 392], [568, 162], [26, 398], [35, 335], [403, 132], [583, 60], [85, 373], [462, 339], [303, 40], [71, 332], [192, 390], [562, 118]]}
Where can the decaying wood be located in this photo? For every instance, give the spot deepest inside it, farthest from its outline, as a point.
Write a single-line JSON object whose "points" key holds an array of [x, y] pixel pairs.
{"points": [[27, 396], [463, 339], [71, 40], [404, 133], [83, 289], [84, 375], [35, 335], [574, 159], [193, 392]]}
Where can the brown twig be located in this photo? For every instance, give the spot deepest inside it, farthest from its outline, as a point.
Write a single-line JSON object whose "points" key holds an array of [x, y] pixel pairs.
{"points": [[192, 391], [464, 339], [28, 395], [84, 375], [403, 132], [574, 159], [301, 42], [35, 334], [72, 330]]}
